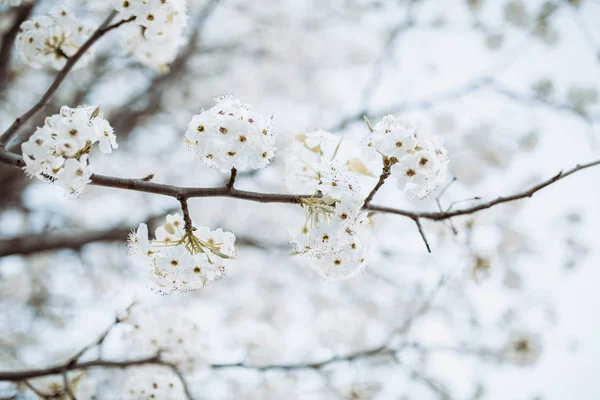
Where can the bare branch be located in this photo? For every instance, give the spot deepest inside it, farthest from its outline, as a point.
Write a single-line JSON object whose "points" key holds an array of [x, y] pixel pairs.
{"points": [[418, 222], [189, 192], [385, 173], [57, 370], [36, 243], [8, 39]]}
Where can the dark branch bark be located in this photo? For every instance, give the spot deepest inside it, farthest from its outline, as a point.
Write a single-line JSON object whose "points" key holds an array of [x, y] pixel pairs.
{"points": [[16, 376], [385, 173], [8, 40], [37, 243], [189, 192], [231, 181]]}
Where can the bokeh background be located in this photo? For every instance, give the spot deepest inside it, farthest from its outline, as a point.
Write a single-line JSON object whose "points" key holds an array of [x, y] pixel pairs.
{"points": [[507, 308]]}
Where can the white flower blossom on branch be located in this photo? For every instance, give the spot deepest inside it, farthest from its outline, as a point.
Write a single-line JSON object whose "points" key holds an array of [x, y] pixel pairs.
{"points": [[49, 40], [158, 32], [58, 151], [231, 135], [182, 258], [418, 163]]}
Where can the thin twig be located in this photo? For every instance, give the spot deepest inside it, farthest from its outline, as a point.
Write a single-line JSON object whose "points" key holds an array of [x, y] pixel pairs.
{"points": [[116, 25], [68, 390], [184, 384], [38, 392], [231, 181], [418, 222], [385, 173]]}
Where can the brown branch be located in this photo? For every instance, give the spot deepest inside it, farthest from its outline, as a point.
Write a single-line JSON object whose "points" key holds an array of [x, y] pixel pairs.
{"points": [[385, 173], [60, 77], [418, 222], [116, 25], [16, 376], [8, 39], [36, 243], [438, 216], [189, 226], [67, 386], [189, 192]]}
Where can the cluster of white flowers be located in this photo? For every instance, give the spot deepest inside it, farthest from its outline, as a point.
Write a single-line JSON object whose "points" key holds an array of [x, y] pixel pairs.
{"points": [[183, 258], [58, 151], [231, 135], [157, 32], [150, 330], [49, 40], [418, 163], [335, 238]]}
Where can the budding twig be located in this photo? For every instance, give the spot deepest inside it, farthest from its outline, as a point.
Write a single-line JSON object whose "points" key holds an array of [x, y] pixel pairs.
{"points": [[385, 173], [231, 181], [418, 222]]}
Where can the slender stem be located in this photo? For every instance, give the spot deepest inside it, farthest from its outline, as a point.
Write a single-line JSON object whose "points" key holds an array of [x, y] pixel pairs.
{"points": [[385, 173], [67, 388], [116, 25], [13, 129], [229, 185], [418, 222], [189, 226]]}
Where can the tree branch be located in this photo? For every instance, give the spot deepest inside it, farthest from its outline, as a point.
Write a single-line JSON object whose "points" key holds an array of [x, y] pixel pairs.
{"points": [[60, 77], [385, 173], [188, 192], [418, 222], [8, 39]]}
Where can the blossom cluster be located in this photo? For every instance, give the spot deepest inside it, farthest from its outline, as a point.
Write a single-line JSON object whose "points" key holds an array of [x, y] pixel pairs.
{"points": [[419, 164], [335, 238], [183, 258], [58, 151], [157, 32], [49, 40], [231, 135]]}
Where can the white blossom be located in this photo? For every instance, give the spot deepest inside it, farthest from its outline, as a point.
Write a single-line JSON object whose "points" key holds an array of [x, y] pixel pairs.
{"points": [[418, 163], [58, 151], [181, 259], [157, 32], [231, 135], [391, 137], [49, 40]]}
